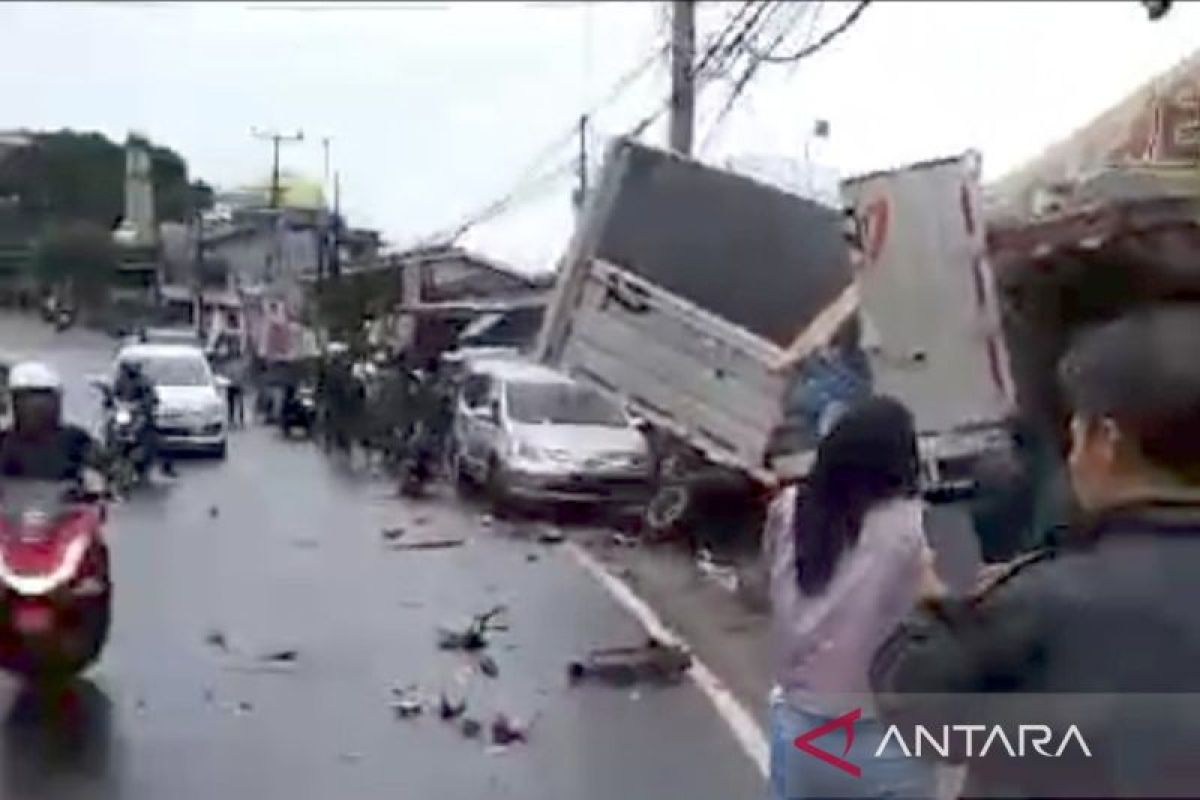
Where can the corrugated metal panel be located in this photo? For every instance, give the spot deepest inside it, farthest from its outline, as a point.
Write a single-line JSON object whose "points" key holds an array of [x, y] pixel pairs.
{"points": [[767, 261]]}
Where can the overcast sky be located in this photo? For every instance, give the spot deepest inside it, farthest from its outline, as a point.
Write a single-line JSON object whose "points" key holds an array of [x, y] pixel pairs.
{"points": [[437, 108]]}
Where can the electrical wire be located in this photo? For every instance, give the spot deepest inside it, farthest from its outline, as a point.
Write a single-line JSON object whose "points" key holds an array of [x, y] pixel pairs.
{"points": [[820, 44], [752, 68]]}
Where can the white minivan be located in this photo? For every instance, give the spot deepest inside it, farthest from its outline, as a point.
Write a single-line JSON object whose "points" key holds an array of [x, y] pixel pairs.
{"points": [[529, 434], [191, 403]]}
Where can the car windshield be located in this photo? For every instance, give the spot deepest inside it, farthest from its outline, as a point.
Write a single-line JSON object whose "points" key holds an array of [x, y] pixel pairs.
{"points": [[175, 371], [562, 404]]}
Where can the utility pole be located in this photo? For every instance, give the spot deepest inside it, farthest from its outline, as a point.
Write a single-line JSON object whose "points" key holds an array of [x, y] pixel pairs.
{"points": [[683, 86], [335, 255], [581, 189], [276, 138], [325, 174]]}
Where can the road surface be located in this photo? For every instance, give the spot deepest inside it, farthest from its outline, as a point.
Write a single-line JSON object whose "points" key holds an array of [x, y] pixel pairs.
{"points": [[279, 548]]}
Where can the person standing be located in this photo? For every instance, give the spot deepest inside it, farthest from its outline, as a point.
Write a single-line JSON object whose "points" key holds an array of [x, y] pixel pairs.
{"points": [[1101, 631], [847, 555]]}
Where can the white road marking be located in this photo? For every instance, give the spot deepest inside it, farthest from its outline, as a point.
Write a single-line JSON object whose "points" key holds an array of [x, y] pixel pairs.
{"points": [[740, 721]]}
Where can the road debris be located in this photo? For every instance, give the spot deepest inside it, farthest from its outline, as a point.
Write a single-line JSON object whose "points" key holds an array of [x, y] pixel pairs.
{"points": [[471, 728], [473, 636], [393, 534], [407, 702], [243, 707], [488, 666], [624, 540], [508, 730], [305, 544], [429, 544], [213, 512], [350, 758], [532, 557], [723, 575], [487, 520], [217, 639], [653, 662], [449, 709], [421, 520], [551, 535], [286, 656]]}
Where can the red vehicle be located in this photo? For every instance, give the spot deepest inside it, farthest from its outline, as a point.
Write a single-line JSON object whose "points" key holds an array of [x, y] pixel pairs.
{"points": [[55, 588]]}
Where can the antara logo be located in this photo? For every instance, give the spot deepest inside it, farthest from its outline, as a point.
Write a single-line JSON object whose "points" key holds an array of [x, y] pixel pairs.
{"points": [[976, 741]]}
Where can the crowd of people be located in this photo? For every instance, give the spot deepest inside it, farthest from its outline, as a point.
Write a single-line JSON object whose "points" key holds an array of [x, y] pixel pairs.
{"points": [[1096, 606]]}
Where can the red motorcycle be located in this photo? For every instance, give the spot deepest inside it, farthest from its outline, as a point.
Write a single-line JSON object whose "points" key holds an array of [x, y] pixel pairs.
{"points": [[55, 588]]}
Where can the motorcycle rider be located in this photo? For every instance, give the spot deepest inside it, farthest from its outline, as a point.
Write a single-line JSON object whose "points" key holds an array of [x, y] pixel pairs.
{"points": [[132, 386], [39, 445]]}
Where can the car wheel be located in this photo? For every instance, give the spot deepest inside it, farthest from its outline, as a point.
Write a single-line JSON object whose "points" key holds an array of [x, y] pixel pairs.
{"points": [[221, 451], [667, 512]]}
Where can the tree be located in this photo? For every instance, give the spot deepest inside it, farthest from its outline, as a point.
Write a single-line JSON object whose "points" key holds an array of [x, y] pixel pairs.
{"points": [[78, 254], [68, 175]]}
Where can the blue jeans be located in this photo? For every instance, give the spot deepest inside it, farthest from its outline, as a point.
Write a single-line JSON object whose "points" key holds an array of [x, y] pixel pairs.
{"points": [[797, 775]]}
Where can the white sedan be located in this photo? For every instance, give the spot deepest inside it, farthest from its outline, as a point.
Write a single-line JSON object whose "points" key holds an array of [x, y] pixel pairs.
{"points": [[191, 403]]}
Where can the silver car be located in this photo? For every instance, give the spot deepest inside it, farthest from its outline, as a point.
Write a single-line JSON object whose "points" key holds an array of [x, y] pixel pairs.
{"points": [[529, 434]]}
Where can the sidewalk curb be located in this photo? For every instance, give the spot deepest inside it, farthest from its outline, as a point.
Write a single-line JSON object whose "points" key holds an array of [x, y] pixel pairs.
{"points": [[741, 722]]}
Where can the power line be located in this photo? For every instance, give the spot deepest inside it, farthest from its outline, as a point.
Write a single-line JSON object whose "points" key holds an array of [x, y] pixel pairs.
{"points": [[528, 179], [820, 44], [744, 81], [718, 45]]}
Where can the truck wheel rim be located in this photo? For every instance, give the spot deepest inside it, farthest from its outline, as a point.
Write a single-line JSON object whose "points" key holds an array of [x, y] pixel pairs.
{"points": [[667, 508]]}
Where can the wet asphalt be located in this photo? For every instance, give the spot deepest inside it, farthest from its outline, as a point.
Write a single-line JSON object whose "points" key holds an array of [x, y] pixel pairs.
{"points": [[262, 622]]}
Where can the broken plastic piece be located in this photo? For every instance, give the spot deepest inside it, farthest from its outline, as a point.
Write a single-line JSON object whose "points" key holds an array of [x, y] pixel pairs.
{"points": [[653, 662], [488, 666], [471, 728]]}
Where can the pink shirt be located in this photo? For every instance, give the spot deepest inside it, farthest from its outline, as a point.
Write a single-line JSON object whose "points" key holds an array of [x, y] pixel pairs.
{"points": [[824, 643]]}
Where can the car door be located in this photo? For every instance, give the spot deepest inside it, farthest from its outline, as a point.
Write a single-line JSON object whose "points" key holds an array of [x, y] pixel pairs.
{"points": [[468, 432]]}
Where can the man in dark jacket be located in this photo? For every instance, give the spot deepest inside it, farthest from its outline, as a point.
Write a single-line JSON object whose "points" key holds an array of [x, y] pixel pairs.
{"points": [[1102, 633]]}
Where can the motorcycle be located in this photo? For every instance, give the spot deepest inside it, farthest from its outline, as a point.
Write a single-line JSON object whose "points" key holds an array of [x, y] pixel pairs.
{"points": [[128, 456], [299, 411], [55, 585], [63, 318]]}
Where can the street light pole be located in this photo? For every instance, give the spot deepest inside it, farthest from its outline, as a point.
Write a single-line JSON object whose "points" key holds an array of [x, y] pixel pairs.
{"points": [[276, 138]]}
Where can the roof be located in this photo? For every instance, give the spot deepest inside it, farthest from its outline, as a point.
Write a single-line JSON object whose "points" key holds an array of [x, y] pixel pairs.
{"points": [[140, 351], [518, 370]]}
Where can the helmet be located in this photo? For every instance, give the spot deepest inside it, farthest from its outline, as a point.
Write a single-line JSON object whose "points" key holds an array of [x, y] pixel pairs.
{"points": [[33, 376]]}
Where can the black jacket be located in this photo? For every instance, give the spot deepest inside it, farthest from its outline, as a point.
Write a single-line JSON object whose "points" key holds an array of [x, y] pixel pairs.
{"points": [[1109, 625]]}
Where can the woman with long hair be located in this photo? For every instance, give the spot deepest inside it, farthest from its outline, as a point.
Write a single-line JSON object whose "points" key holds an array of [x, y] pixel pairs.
{"points": [[848, 560]]}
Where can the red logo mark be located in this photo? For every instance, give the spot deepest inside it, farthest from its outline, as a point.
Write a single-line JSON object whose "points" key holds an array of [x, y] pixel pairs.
{"points": [[846, 723]]}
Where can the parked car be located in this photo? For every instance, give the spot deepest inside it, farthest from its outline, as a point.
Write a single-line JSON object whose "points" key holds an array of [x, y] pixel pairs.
{"points": [[191, 404], [529, 434]]}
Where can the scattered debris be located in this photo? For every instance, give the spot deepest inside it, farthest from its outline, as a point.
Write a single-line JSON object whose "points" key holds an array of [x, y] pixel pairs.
{"points": [[430, 544], [421, 520], [508, 730], [474, 635], [412, 604], [210, 696], [624, 540], [288, 656], [407, 702], [551, 535], [350, 758], [471, 728], [451, 709], [488, 666], [214, 512], [139, 706], [216, 638], [244, 707], [723, 575], [305, 544], [654, 662], [532, 557], [487, 520], [393, 534]]}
